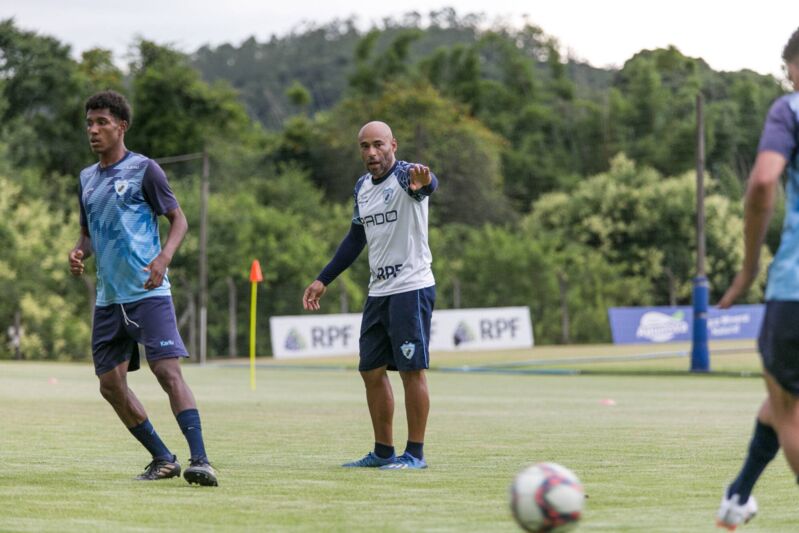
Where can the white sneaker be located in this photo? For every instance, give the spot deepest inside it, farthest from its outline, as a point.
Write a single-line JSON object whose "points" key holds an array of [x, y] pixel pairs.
{"points": [[731, 514]]}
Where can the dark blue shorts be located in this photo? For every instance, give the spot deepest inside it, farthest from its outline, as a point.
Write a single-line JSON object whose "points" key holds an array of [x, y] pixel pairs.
{"points": [[395, 330], [779, 343], [119, 329]]}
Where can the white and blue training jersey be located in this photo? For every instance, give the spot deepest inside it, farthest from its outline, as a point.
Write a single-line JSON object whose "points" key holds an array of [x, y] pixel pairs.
{"points": [[119, 206], [394, 219]]}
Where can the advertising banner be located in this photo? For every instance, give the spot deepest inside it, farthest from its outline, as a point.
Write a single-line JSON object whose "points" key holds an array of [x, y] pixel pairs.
{"points": [[637, 325], [498, 328]]}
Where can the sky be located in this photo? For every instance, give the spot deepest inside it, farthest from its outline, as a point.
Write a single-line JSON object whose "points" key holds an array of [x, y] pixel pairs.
{"points": [[605, 33]]}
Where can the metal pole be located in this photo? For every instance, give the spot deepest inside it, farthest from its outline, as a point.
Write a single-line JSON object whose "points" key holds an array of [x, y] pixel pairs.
{"points": [[700, 186], [203, 281], [253, 311], [204, 191], [17, 339], [232, 306], [193, 325], [700, 356]]}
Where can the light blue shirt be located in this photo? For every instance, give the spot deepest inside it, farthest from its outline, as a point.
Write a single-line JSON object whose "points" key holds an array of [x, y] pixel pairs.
{"points": [[781, 134], [119, 207]]}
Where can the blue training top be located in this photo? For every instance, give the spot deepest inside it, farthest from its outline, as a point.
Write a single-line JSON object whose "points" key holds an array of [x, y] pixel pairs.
{"points": [[119, 206], [781, 135]]}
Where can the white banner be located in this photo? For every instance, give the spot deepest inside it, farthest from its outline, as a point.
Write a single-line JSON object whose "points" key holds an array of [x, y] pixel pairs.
{"points": [[498, 328]]}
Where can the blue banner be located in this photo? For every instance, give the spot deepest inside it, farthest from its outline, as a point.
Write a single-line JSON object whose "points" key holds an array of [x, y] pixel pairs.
{"points": [[641, 325]]}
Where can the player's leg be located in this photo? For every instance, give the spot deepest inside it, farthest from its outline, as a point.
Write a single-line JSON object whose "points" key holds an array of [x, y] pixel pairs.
{"points": [[410, 319], [167, 371], [785, 409], [779, 349], [738, 506], [375, 350], [114, 354], [778, 420], [380, 399], [763, 447], [157, 331], [417, 409], [181, 399], [114, 388]]}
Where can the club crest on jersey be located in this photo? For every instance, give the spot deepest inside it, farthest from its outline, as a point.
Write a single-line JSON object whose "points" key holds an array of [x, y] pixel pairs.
{"points": [[408, 349], [387, 194], [120, 186]]}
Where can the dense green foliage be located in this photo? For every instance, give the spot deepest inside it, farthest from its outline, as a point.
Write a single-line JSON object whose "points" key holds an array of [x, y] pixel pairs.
{"points": [[563, 187]]}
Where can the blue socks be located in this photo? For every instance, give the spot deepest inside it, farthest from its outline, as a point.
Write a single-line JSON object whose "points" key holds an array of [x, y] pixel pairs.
{"points": [[383, 451], [189, 422], [415, 448], [145, 434], [762, 449]]}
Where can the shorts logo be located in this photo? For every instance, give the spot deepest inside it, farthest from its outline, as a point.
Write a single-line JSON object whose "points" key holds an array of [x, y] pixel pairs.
{"points": [[167, 343], [408, 349], [120, 186], [387, 194]]}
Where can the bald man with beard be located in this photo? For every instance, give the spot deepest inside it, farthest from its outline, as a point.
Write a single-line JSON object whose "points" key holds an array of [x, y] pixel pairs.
{"points": [[390, 216]]}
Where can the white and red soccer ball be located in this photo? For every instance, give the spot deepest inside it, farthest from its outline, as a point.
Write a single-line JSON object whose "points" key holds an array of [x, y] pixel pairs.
{"points": [[547, 498]]}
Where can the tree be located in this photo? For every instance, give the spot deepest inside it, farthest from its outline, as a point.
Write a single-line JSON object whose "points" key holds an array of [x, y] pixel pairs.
{"points": [[431, 130], [652, 113], [175, 112], [98, 68], [35, 280], [42, 93], [299, 96], [553, 136], [279, 218], [501, 266], [644, 223], [374, 72]]}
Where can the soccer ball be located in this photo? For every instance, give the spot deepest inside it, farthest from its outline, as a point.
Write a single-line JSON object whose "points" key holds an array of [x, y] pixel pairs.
{"points": [[547, 498]]}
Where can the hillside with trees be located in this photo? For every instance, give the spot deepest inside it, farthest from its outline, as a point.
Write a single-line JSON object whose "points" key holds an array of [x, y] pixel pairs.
{"points": [[564, 187]]}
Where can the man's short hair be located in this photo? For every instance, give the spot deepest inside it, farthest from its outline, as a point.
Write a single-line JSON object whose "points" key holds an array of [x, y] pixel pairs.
{"points": [[116, 104], [791, 50]]}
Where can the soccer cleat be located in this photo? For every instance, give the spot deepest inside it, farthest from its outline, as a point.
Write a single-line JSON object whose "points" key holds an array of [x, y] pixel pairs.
{"points": [[371, 460], [201, 472], [160, 469], [732, 514], [406, 461]]}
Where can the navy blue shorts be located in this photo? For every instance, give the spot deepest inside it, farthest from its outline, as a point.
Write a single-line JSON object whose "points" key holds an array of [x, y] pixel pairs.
{"points": [[779, 343], [119, 329], [395, 330]]}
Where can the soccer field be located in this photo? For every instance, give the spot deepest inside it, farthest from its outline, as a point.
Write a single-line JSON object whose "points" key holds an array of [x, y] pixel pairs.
{"points": [[655, 461]]}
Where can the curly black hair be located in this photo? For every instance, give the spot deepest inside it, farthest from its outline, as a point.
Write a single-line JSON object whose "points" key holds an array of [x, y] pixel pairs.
{"points": [[116, 104], [791, 50]]}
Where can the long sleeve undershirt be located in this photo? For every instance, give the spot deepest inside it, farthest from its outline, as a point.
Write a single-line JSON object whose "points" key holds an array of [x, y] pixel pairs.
{"points": [[346, 254]]}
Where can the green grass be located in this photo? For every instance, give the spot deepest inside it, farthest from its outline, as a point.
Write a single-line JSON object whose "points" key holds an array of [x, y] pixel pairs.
{"points": [[656, 461]]}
